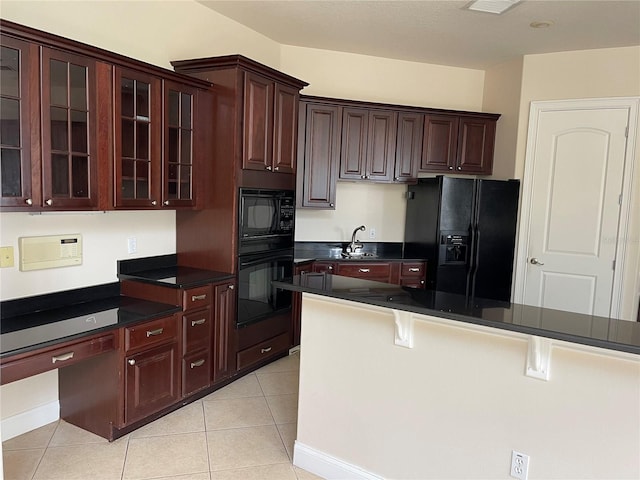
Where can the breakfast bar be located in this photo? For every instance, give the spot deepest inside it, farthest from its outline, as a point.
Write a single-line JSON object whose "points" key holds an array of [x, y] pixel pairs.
{"points": [[443, 386]]}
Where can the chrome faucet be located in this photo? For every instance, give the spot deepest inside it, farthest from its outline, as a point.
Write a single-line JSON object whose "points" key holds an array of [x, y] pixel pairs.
{"points": [[355, 245]]}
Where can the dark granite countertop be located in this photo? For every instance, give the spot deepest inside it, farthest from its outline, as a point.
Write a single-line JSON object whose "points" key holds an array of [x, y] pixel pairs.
{"points": [[35, 322], [607, 333], [163, 270]]}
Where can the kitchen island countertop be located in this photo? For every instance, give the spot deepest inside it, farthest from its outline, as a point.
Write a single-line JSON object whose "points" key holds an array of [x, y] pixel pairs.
{"points": [[607, 333]]}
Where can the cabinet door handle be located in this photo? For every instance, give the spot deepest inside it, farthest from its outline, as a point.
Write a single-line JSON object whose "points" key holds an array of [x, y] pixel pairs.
{"points": [[275, 169], [265, 350], [157, 331], [154, 203], [198, 322], [269, 168], [413, 269], [28, 201], [364, 270], [197, 363], [459, 168], [450, 167], [132, 361], [332, 205], [198, 297], [330, 268], [166, 202], [62, 357], [49, 202], [231, 287]]}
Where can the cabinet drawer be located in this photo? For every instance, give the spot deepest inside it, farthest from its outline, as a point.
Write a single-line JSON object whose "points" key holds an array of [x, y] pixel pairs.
{"points": [[196, 371], [43, 361], [263, 350], [196, 330], [412, 269], [195, 298], [150, 333], [365, 270]]}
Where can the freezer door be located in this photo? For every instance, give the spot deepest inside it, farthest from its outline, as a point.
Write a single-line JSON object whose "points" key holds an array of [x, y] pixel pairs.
{"points": [[494, 238]]}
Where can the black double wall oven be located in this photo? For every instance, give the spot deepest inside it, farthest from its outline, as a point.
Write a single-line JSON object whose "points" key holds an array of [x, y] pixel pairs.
{"points": [[265, 253]]}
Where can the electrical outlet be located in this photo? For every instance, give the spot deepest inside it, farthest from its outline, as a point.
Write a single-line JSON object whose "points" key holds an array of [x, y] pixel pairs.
{"points": [[372, 232], [132, 245], [519, 465], [6, 257]]}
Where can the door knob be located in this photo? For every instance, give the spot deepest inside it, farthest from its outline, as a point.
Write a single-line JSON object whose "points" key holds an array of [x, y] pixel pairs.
{"points": [[535, 261]]}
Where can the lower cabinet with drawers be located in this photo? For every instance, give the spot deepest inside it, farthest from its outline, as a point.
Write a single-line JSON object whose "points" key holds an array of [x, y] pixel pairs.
{"points": [[263, 341], [150, 362], [409, 273]]}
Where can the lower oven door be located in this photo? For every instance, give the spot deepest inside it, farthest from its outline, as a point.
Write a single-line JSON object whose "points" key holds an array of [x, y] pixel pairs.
{"points": [[258, 299]]}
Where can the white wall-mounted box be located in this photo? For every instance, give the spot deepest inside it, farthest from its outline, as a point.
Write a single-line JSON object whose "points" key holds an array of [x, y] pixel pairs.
{"points": [[51, 251]]}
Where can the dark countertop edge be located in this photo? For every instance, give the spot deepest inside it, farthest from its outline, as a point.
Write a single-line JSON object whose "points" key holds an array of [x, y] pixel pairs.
{"points": [[148, 277], [169, 310], [302, 260], [592, 342], [153, 269]]}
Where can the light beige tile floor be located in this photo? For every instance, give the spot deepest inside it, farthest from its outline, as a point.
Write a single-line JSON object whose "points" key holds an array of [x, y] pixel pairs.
{"points": [[244, 431]]}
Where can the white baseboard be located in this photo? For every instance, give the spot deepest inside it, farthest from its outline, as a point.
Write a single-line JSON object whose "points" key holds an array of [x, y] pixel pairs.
{"points": [[326, 466], [30, 420]]}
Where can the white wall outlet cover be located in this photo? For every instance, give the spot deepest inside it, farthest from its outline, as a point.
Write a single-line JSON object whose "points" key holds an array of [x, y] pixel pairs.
{"points": [[538, 358], [403, 328]]}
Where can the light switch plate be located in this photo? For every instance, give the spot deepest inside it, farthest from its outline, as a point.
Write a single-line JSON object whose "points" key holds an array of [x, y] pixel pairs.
{"points": [[6, 257]]}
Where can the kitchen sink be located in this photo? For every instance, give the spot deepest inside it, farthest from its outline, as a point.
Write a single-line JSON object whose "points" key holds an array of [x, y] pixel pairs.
{"points": [[358, 256]]}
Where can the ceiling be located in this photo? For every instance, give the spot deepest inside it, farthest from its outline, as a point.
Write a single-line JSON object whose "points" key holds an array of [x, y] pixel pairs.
{"points": [[441, 32]]}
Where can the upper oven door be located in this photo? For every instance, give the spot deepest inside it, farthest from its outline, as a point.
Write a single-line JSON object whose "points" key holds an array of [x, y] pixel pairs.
{"points": [[257, 297]]}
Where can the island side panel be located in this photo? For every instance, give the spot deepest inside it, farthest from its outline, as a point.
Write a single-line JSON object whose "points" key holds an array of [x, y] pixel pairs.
{"points": [[458, 403]]}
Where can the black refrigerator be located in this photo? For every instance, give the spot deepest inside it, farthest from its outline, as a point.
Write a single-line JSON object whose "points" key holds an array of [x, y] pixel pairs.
{"points": [[466, 229]]}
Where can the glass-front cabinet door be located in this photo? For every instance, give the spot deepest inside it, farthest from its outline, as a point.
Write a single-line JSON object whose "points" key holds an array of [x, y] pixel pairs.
{"points": [[138, 123], [18, 112], [69, 153], [178, 181]]}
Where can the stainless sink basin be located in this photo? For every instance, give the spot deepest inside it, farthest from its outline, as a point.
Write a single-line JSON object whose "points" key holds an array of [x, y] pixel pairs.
{"points": [[358, 256]]}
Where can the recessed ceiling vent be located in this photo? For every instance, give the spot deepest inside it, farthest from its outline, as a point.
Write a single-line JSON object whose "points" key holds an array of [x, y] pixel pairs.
{"points": [[492, 6]]}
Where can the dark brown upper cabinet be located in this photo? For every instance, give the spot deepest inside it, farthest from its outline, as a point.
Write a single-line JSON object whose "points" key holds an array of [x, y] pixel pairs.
{"points": [[408, 146], [49, 119], [19, 123], [82, 128], [368, 144], [366, 141], [138, 130], [319, 154], [180, 144], [459, 144], [156, 141], [476, 141], [256, 110], [270, 125], [439, 143]]}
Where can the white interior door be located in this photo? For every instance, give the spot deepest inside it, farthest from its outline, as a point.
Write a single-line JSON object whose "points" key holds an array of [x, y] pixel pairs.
{"points": [[576, 187]]}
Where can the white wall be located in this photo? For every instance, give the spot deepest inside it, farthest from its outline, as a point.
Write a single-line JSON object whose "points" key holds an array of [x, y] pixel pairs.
{"points": [[456, 404], [502, 92], [375, 206]]}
